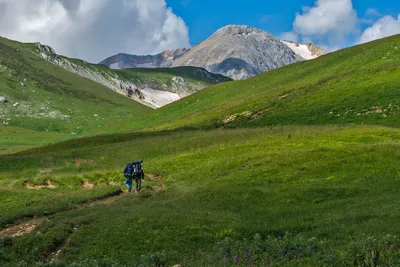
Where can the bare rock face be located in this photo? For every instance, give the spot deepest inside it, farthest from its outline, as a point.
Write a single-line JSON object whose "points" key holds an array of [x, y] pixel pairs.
{"points": [[315, 50], [238, 52]]}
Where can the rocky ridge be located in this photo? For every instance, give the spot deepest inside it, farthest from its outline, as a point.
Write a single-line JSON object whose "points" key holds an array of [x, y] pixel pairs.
{"points": [[126, 61], [112, 82]]}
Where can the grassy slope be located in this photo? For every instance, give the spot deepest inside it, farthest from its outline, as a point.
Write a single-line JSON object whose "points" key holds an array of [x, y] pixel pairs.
{"points": [[52, 93], [156, 78], [355, 85], [14, 139], [188, 73]]}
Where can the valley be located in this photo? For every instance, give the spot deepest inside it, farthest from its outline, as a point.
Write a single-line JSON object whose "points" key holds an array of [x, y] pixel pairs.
{"points": [[298, 166]]}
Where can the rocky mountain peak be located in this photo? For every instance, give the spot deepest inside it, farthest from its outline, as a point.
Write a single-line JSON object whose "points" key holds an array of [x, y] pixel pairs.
{"points": [[243, 30], [235, 51]]}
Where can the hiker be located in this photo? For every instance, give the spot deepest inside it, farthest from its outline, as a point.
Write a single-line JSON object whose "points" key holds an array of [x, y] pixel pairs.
{"points": [[134, 171]]}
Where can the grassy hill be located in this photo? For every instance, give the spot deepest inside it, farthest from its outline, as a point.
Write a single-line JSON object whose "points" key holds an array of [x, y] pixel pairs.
{"points": [[354, 85], [297, 167], [45, 98]]}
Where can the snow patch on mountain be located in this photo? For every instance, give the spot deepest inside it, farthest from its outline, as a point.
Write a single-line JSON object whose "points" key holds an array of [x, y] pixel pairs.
{"points": [[115, 66], [300, 49], [159, 98]]}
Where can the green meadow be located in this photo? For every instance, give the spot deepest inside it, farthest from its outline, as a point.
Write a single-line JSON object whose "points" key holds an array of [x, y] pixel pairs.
{"points": [[296, 167], [282, 195]]}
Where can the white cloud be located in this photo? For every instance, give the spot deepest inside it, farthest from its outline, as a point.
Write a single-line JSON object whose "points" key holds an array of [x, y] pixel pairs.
{"points": [[384, 27], [94, 29], [334, 24], [332, 19]]}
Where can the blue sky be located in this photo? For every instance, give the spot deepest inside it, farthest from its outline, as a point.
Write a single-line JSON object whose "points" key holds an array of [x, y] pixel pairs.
{"points": [[203, 17]]}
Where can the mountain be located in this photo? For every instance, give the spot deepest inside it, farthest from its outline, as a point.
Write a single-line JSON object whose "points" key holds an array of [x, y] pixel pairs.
{"points": [[238, 52], [152, 87]]}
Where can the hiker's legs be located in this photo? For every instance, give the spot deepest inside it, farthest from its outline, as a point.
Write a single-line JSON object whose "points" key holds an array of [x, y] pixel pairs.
{"points": [[138, 183], [128, 183]]}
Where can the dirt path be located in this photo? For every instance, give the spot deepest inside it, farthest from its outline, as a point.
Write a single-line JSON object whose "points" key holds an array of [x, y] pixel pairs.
{"points": [[46, 184], [22, 229], [28, 226]]}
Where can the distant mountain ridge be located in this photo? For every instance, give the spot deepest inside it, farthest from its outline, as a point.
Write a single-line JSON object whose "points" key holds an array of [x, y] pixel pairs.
{"points": [[126, 61], [235, 51]]}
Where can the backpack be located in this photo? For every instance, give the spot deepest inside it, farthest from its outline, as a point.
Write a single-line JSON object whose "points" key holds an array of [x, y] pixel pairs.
{"points": [[138, 171], [129, 169]]}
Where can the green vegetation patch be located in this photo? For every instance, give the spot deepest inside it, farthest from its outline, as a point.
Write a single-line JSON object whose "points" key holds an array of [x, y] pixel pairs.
{"points": [[282, 195]]}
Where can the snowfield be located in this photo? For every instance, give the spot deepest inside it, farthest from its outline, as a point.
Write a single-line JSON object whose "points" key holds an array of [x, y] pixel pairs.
{"points": [[301, 50], [115, 66], [159, 98]]}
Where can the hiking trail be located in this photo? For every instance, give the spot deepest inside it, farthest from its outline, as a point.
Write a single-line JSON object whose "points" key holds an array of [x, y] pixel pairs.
{"points": [[29, 226]]}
